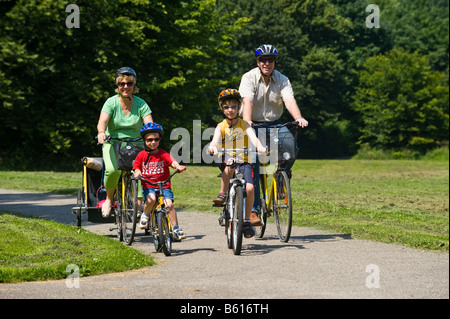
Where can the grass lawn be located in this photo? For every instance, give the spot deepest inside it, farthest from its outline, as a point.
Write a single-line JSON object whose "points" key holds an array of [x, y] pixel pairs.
{"points": [[394, 201], [35, 249]]}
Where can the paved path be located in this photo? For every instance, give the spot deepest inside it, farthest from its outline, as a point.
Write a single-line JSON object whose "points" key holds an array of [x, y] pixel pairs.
{"points": [[314, 264]]}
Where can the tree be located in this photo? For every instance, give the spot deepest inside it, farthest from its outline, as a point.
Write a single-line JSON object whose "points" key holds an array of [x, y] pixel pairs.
{"points": [[55, 79], [402, 102]]}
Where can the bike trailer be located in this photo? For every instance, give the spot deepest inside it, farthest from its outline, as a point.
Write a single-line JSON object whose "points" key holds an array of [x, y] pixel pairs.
{"points": [[92, 194]]}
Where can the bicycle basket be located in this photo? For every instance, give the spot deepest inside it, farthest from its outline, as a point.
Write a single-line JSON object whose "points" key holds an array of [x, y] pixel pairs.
{"points": [[126, 154], [285, 141]]}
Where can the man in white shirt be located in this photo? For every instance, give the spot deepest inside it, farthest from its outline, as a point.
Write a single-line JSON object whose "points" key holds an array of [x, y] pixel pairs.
{"points": [[264, 90]]}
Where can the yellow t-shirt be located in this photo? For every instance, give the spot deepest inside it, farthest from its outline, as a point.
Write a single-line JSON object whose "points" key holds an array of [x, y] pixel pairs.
{"points": [[235, 137]]}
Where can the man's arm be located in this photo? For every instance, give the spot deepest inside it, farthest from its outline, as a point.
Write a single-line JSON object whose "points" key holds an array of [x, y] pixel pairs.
{"points": [[247, 108], [294, 110]]}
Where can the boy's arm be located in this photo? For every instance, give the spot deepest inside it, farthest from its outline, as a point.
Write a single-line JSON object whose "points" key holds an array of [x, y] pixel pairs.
{"points": [[137, 166], [137, 173], [215, 141], [178, 167]]}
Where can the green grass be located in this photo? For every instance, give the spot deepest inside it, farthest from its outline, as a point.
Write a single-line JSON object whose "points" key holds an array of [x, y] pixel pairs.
{"points": [[35, 249], [393, 201]]}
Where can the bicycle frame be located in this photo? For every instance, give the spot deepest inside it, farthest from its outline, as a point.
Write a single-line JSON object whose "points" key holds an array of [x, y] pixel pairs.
{"points": [[162, 208]]}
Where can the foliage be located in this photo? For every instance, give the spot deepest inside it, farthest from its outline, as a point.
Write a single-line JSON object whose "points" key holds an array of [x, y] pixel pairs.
{"points": [[55, 79], [404, 104]]}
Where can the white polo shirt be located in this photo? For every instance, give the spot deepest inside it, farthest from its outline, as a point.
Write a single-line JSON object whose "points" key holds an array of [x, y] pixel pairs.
{"points": [[267, 99]]}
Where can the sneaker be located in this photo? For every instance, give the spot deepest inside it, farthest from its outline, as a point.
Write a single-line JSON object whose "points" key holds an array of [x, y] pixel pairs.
{"points": [[106, 209], [178, 234], [249, 231], [144, 221]]}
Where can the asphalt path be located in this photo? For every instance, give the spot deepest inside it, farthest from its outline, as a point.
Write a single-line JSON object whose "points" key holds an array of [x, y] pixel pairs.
{"points": [[314, 264]]}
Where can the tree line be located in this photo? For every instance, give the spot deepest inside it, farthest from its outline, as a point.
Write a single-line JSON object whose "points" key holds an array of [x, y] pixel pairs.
{"points": [[358, 86]]}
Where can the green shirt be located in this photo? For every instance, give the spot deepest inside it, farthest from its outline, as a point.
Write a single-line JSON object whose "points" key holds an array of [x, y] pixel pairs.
{"points": [[121, 125]]}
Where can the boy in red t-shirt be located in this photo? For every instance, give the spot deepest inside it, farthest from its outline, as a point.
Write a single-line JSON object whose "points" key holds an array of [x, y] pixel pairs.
{"points": [[153, 164]]}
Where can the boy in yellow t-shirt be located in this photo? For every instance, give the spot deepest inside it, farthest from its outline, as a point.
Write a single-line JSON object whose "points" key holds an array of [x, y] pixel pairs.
{"points": [[234, 131]]}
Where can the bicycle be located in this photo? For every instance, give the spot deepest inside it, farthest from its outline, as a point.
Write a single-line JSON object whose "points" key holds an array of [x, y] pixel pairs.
{"points": [[160, 225], [234, 208], [125, 202], [277, 200]]}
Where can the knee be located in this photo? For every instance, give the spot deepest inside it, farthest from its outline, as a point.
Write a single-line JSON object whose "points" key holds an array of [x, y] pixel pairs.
{"points": [[250, 188]]}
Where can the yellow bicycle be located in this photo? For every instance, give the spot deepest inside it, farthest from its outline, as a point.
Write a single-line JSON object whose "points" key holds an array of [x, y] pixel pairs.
{"points": [[277, 198], [160, 225]]}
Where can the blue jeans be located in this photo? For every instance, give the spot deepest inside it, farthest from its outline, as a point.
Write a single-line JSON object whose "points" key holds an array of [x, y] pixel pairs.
{"points": [[287, 165]]}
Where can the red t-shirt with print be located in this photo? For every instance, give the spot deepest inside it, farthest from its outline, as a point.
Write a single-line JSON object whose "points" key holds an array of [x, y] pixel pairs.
{"points": [[155, 168]]}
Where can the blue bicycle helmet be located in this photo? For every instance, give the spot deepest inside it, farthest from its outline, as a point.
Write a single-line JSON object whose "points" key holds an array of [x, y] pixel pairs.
{"points": [[126, 71], [266, 50], [151, 127]]}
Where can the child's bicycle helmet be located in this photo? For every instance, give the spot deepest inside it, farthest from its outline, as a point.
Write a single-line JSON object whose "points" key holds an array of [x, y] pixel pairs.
{"points": [[151, 127], [229, 94]]}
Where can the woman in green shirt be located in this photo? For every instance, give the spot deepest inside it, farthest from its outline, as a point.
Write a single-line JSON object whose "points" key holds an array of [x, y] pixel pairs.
{"points": [[122, 116]]}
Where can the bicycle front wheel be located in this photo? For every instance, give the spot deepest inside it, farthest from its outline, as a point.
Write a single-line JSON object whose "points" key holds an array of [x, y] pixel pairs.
{"points": [[237, 223], [282, 205], [130, 209], [165, 238]]}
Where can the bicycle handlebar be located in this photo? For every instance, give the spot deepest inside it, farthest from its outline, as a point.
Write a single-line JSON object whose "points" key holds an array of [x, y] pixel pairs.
{"points": [[264, 125], [160, 184]]}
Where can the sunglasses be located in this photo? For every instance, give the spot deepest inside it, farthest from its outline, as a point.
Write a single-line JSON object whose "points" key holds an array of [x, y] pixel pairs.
{"points": [[122, 84], [264, 60], [153, 139], [234, 106]]}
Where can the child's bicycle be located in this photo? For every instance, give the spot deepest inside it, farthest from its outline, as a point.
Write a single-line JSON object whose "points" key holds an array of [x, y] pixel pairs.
{"points": [[159, 225], [278, 199], [125, 204], [233, 212]]}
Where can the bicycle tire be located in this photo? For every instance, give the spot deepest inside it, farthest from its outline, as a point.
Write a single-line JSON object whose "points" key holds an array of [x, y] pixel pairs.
{"points": [[237, 223], [130, 209], [154, 231], [79, 205], [282, 206], [118, 211], [228, 230], [165, 238], [263, 213]]}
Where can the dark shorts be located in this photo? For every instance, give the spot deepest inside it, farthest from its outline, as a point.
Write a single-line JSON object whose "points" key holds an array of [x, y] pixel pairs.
{"points": [[167, 192], [245, 168]]}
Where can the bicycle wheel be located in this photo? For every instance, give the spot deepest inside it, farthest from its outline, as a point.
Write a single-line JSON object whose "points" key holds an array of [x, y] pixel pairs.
{"points": [[118, 210], [263, 213], [282, 205], [165, 238], [228, 230], [154, 231], [130, 209], [237, 223]]}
